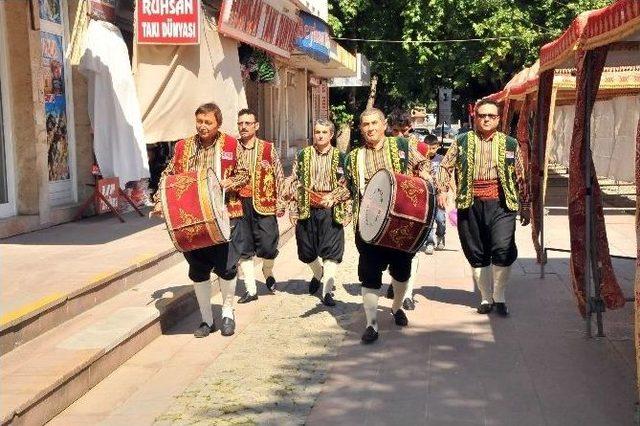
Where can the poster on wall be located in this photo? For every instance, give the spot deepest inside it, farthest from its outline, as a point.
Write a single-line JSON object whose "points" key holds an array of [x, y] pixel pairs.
{"points": [[55, 106], [168, 21], [51, 10]]}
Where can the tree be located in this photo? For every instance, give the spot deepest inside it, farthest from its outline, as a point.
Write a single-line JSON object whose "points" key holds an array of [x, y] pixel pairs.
{"points": [[411, 72]]}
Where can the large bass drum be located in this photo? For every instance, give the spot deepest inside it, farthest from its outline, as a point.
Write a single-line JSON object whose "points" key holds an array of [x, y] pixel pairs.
{"points": [[397, 211], [194, 210]]}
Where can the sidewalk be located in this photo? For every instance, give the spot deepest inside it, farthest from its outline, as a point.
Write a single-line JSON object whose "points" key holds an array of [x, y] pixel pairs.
{"points": [[44, 266]]}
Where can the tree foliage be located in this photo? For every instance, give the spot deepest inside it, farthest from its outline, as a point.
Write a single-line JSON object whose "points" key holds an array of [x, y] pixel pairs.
{"points": [[410, 73]]}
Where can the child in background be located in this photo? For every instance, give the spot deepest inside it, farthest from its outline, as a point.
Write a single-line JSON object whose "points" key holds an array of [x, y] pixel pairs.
{"points": [[436, 237]]}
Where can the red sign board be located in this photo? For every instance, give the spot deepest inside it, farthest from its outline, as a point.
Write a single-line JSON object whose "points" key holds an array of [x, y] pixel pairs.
{"points": [[109, 187], [266, 24], [168, 21], [320, 102]]}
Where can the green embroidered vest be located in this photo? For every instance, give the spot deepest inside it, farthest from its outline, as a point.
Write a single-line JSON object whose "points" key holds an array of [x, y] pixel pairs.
{"points": [[506, 168], [397, 154], [304, 175]]}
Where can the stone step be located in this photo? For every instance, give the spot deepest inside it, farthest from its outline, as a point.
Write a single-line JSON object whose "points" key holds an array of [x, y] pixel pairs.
{"points": [[40, 316], [44, 376]]}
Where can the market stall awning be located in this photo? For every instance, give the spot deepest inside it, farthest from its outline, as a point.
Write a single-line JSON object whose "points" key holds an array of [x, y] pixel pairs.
{"points": [[592, 29]]}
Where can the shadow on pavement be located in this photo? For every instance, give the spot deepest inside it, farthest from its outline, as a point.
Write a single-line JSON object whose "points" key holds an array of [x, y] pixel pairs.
{"points": [[90, 231]]}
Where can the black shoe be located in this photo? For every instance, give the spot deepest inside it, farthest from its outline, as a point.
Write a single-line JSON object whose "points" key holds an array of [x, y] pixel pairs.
{"points": [[485, 308], [246, 298], [204, 330], [271, 284], [401, 318], [228, 327], [327, 300], [408, 304], [314, 285], [390, 293], [501, 309], [370, 335]]}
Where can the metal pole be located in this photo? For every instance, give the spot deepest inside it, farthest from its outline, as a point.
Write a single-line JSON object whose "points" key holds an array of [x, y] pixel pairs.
{"points": [[586, 158], [540, 211]]}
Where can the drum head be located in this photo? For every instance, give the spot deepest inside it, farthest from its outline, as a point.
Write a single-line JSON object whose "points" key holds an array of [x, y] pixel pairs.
{"points": [[375, 205], [219, 209]]}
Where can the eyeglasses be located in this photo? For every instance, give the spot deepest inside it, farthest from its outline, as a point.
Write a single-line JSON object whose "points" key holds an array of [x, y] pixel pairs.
{"points": [[483, 116], [245, 123]]}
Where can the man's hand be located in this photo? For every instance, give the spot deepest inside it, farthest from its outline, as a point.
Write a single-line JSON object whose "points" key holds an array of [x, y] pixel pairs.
{"points": [[293, 219], [156, 212], [226, 183], [326, 201], [442, 200], [525, 216]]}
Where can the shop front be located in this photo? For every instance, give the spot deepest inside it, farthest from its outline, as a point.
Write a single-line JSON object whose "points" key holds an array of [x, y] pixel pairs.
{"points": [[45, 140]]}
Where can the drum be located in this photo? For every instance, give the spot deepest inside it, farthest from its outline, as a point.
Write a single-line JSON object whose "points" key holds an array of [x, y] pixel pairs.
{"points": [[397, 211], [194, 210]]}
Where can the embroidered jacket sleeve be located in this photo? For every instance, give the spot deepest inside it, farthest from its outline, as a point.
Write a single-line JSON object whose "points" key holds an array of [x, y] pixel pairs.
{"points": [[447, 168], [291, 188], [351, 185], [240, 176], [420, 164], [521, 179], [281, 190], [341, 193]]}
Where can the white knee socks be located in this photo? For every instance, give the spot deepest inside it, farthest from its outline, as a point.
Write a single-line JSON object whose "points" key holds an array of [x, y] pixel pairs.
{"points": [[267, 267], [500, 279], [370, 304], [248, 271], [408, 294], [228, 291], [329, 275], [399, 289], [482, 280], [203, 295], [316, 268]]}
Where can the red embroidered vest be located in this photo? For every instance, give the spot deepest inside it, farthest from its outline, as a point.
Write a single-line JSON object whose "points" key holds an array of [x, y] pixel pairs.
{"points": [[186, 149], [262, 187]]}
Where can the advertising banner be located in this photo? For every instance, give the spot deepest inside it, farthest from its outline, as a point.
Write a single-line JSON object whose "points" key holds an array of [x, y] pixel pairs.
{"points": [[55, 106]]}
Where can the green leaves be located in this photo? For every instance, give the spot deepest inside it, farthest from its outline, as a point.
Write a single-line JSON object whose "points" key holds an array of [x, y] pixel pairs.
{"points": [[411, 72]]}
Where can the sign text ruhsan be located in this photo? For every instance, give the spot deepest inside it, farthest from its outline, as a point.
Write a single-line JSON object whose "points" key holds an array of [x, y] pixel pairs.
{"points": [[168, 21], [263, 23]]}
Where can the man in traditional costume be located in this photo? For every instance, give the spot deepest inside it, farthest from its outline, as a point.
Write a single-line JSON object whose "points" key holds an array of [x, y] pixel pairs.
{"points": [[400, 124], [319, 208], [397, 155], [491, 189], [212, 149], [261, 201]]}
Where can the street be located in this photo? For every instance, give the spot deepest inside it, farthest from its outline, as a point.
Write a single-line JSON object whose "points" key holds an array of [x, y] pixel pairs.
{"points": [[295, 361]]}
